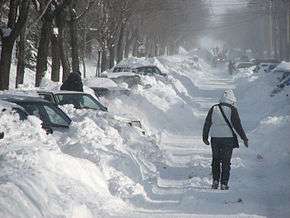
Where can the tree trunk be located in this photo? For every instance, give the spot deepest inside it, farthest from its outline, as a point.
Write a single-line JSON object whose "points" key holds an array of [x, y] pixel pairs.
{"points": [[98, 64], [21, 57], [104, 61], [55, 53], [42, 54], [112, 56], [129, 41], [74, 40], [15, 8], [135, 47], [120, 46], [60, 22], [84, 49], [127, 45], [5, 63], [162, 48]]}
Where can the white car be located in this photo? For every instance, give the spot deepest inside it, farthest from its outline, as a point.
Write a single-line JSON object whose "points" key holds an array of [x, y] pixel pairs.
{"points": [[106, 87], [120, 74]]}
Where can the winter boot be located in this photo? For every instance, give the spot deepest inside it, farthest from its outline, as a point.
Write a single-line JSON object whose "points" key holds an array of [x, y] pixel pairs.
{"points": [[224, 187], [215, 184]]}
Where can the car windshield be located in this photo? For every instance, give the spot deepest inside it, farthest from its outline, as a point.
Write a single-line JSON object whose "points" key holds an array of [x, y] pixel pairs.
{"points": [[80, 101], [21, 113], [56, 116], [122, 69], [49, 114]]}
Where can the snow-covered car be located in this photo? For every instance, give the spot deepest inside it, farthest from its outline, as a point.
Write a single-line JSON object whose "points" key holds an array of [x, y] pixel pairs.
{"points": [[106, 87], [282, 84], [265, 67], [123, 74], [282, 71], [282, 68], [243, 65], [52, 117], [149, 70], [81, 100]]}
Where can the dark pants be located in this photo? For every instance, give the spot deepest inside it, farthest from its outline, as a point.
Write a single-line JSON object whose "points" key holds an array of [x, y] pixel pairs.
{"points": [[222, 149]]}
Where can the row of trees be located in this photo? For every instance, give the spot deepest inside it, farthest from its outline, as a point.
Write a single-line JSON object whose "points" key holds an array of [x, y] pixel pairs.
{"points": [[63, 33], [280, 28], [260, 25]]}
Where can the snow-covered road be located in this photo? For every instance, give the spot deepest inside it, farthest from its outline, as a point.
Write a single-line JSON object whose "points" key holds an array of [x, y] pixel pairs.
{"points": [[101, 167], [182, 185]]}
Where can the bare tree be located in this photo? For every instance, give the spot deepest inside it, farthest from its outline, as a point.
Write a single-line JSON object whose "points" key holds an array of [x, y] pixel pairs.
{"points": [[18, 12], [54, 8]]}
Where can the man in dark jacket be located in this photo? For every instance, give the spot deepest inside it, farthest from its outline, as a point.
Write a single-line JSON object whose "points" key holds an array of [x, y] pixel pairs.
{"points": [[73, 82], [223, 122]]}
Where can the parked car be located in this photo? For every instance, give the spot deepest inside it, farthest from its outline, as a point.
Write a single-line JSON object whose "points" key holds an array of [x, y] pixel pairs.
{"points": [[79, 100], [83, 100], [106, 87], [120, 74], [281, 85], [52, 117], [242, 65], [258, 61], [265, 67], [149, 70]]}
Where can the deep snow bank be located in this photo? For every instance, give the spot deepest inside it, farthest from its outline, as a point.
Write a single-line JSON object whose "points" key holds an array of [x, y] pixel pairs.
{"points": [[38, 180]]}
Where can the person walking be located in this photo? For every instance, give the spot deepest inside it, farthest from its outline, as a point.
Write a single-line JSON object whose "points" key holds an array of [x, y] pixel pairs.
{"points": [[222, 123]]}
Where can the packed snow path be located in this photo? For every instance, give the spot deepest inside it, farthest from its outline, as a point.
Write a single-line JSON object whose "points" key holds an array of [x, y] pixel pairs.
{"points": [[182, 187]]}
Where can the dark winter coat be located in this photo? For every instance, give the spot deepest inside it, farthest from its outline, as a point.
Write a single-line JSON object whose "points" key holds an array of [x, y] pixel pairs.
{"points": [[223, 130], [73, 83]]}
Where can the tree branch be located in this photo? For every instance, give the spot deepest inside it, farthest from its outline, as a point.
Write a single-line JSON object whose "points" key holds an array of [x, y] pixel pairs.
{"points": [[90, 3], [39, 17]]}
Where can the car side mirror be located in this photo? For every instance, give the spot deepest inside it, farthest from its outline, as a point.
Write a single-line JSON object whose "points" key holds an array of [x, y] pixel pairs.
{"points": [[1, 135]]}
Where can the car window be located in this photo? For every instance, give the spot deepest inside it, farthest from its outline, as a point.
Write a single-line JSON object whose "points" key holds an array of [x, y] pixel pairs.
{"points": [[32, 109], [55, 116], [117, 69], [157, 71], [21, 113], [46, 97], [80, 101], [69, 99], [88, 102], [122, 69]]}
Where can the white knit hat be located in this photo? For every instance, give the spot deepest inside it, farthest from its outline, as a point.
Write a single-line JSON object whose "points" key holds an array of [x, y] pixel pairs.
{"points": [[228, 97]]}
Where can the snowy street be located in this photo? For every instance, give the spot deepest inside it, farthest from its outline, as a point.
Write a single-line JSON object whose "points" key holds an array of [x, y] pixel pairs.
{"points": [[145, 109], [183, 182], [101, 167]]}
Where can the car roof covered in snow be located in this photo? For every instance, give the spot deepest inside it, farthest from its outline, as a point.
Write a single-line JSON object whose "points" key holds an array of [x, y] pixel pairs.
{"points": [[137, 67], [7, 104], [21, 98], [55, 92], [101, 82], [283, 67]]}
